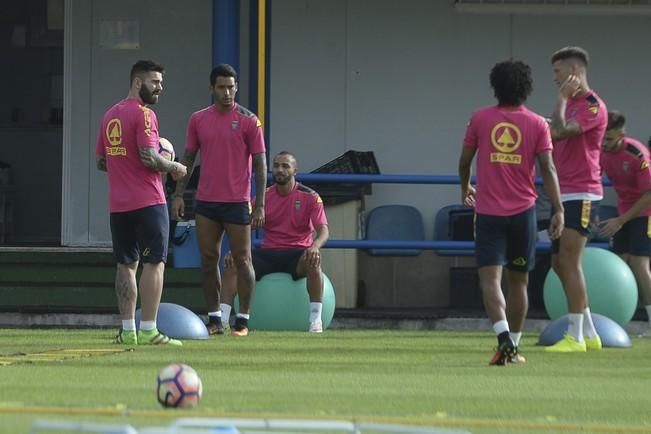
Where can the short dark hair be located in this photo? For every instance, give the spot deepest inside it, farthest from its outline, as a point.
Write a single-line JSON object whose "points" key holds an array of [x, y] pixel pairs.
{"points": [[511, 82], [576, 53], [144, 66], [289, 154], [616, 120], [222, 70]]}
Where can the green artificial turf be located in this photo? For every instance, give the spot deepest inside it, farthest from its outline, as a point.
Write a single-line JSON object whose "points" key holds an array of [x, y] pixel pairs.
{"points": [[407, 377]]}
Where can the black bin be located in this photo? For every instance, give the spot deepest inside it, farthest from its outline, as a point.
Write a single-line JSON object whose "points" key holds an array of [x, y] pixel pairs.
{"points": [[351, 162]]}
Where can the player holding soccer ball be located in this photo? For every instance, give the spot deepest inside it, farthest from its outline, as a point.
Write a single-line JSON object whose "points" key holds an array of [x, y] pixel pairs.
{"points": [[508, 139], [127, 149]]}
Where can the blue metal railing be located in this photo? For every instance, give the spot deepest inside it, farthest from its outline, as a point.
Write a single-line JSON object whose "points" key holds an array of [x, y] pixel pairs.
{"points": [[318, 178]]}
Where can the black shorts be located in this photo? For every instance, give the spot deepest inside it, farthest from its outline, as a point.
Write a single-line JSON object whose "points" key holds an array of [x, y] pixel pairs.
{"points": [[238, 213], [267, 261], [141, 234], [634, 238], [580, 215], [507, 240]]}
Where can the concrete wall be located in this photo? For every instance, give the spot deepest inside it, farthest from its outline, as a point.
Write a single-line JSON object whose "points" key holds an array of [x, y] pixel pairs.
{"points": [[401, 79]]}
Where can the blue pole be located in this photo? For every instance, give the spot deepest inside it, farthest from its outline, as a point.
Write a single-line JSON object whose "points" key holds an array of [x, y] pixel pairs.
{"points": [[226, 33]]}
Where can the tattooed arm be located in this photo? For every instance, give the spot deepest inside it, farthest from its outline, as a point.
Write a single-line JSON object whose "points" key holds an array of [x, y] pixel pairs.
{"points": [[150, 158], [560, 127], [260, 168], [178, 204]]}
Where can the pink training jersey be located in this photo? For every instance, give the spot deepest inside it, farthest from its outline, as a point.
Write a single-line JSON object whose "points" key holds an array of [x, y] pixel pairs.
{"points": [[227, 141], [577, 158], [125, 127], [290, 220], [507, 141], [628, 170]]}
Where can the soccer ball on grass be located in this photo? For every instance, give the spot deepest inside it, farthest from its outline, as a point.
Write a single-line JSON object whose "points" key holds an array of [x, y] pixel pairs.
{"points": [[179, 386]]}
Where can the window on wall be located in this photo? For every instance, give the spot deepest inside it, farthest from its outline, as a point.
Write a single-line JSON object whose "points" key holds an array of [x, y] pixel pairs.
{"points": [[31, 41]]}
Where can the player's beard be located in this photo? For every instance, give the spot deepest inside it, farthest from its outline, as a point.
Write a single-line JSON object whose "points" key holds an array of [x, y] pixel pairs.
{"points": [[147, 96], [226, 103], [281, 180]]}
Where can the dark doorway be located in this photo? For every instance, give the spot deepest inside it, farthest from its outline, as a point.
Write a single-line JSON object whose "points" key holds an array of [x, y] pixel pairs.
{"points": [[31, 118]]}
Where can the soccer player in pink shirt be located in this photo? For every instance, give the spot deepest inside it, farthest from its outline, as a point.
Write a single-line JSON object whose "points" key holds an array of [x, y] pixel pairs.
{"points": [[127, 149], [230, 140], [578, 125], [508, 140], [295, 229], [625, 161]]}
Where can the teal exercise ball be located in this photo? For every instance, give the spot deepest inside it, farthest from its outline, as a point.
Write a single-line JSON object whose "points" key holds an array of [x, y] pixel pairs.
{"points": [[612, 290], [282, 303]]}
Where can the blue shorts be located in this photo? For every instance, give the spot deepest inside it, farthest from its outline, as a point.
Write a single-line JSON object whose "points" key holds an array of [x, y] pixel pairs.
{"points": [[634, 238], [238, 213], [140, 234], [581, 216], [267, 261], [506, 240]]}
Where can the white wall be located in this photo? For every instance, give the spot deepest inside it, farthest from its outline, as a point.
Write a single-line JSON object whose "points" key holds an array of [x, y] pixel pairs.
{"points": [[177, 35], [401, 79]]}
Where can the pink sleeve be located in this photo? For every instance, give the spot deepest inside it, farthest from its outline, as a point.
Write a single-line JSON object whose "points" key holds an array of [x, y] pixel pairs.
{"points": [[255, 137], [100, 149], [470, 139], [545, 140], [318, 216], [644, 177], [191, 137], [146, 128], [590, 117]]}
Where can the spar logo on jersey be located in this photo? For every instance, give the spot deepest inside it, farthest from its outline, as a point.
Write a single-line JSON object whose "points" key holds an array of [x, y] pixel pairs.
{"points": [[506, 139], [113, 134], [147, 117]]}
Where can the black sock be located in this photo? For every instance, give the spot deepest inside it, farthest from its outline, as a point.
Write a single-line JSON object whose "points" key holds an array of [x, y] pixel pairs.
{"points": [[503, 338], [241, 323]]}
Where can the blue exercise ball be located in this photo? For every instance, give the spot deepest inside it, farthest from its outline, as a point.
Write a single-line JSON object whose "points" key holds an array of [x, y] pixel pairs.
{"points": [[612, 334], [282, 303], [612, 290], [177, 322]]}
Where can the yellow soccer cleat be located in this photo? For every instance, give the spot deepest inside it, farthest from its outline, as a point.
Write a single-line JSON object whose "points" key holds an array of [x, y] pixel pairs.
{"points": [[126, 337], [593, 344], [567, 345], [154, 337]]}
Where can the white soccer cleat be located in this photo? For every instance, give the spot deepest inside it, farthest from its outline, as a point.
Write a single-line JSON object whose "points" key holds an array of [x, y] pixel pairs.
{"points": [[316, 327]]}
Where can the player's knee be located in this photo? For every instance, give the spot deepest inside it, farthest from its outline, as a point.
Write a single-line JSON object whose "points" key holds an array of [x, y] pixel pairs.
{"points": [[209, 261], [241, 260], [639, 265]]}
